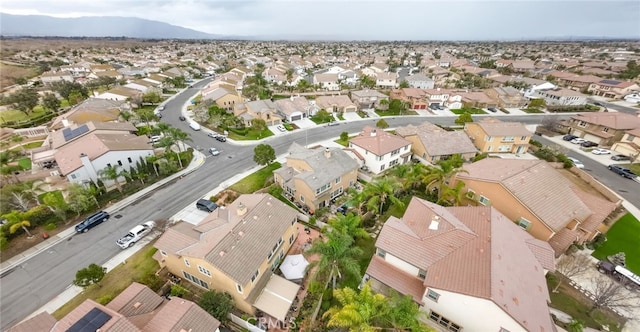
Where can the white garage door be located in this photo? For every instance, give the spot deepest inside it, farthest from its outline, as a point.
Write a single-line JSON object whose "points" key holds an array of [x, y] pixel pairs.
{"points": [[296, 117], [592, 138]]}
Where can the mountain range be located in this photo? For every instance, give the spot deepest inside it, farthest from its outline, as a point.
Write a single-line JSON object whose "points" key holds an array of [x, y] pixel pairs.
{"points": [[98, 26]]}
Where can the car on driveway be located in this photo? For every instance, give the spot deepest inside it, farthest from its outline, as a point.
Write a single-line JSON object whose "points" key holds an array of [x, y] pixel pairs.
{"points": [[588, 144], [600, 151], [221, 138], [620, 157], [135, 234], [578, 140], [624, 172], [569, 137], [214, 151], [281, 128], [577, 163]]}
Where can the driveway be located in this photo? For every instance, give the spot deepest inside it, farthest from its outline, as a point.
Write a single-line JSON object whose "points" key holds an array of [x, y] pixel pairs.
{"points": [[304, 123], [276, 131], [351, 116]]}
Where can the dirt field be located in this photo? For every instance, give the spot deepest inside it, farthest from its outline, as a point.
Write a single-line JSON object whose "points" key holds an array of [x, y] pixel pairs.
{"points": [[11, 46], [9, 72], [580, 183]]}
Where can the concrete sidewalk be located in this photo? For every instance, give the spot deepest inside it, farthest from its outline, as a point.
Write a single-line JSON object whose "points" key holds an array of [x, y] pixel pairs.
{"points": [[196, 162]]}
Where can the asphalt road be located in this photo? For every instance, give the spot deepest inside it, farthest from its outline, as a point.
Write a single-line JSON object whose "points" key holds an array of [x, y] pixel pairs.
{"points": [[616, 107], [41, 278]]}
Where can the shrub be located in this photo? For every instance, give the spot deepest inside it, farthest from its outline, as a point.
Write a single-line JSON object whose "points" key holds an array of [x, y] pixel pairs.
{"points": [[105, 299], [179, 291], [50, 226], [535, 143], [480, 157], [3, 241], [152, 281], [39, 215], [597, 242]]}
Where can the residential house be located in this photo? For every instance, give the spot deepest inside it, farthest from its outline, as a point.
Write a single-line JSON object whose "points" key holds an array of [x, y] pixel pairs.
{"points": [[224, 96], [604, 128], [295, 108], [574, 81], [629, 145], [522, 66], [90, 110], [469, 268], [387, 80], [416, 98], [327, 82], [431, 143], [507, 96], [315, 177], [55, 77], [613, 88], [438, 97], [136, 309], [348, 77], [368, 98], [97, 68], [420, 81], [235, 249], [258, 109], [530, 92], [144, 86], [491, 135], [380, 149], [275, 76], [109, 73], [336, 104], [537, 197], [478, 99], [120, 93], [560, 97]]}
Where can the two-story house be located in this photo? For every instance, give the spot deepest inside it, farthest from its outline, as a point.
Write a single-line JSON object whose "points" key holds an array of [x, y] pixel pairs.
{"points": [[420, 81], [386, 80], [468, 268], [235, 249], [368, 98], [604, 128], [223, 95], [314, 177], [560, 97], [629, 145], [538, 198], [430, 143], [336, 104], [491, 135], [120, 93], [258, 109], [416, 98], [329, 82], [380, 149], [478, 99], [54, 77], [613, 88], [90, 110], [507, 96]]}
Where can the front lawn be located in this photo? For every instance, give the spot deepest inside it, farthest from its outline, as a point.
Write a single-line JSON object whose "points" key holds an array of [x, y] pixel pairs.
{"points": [[249, 134], [256, 181], [468, 110], [532, 110], [32, 145], [140, 267], [623, 236], [395, 112], [635, 168], [25, 163]]}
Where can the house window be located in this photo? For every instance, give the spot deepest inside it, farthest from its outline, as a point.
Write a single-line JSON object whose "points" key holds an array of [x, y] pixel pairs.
{"points": [[483, 200], [394, 162], [630, 137], [605, 130], [108, 165], [204, 271], [119, 163], [504, 148], [470, 194], [129, 159], [301, 198], [336, 193], [395, 152], [489, 148], [239, 288], [508, 139], [444, 322], [582, 124], [382, 167], [73, 176], [163, 253], [433, 295], [422, 274], [523, 138], [291, 238], [488, 138], [293, 221], [186, 262], [195, 280], [379, 158], [338, 180], [254, 276], [524, 223], [381, 253]]}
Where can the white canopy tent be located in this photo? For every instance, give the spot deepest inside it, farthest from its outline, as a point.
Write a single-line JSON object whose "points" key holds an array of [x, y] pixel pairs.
{"points": [[293, 267]]}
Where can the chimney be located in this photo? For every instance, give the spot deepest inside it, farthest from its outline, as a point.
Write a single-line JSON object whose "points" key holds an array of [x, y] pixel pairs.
{"points": [[327, 153], [434, 223], [88, 166], [242, 209], [373, 132]]}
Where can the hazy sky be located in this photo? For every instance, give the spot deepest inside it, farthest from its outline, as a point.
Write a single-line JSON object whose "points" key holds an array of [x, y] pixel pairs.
{"points": [[368, 20]]}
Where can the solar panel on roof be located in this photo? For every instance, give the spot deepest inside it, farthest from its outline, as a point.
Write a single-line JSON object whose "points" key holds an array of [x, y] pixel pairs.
{"points": [[611, 82], [91, 322], [70, 134]]}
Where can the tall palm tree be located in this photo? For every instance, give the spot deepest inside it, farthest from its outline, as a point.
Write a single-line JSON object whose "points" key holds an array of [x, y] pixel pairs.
{"points": [[451, 195], [381, 190], [410, 175], [348, 224], [179, 137], [438, 177], [357, 311], [113, 173], [357, 198]]}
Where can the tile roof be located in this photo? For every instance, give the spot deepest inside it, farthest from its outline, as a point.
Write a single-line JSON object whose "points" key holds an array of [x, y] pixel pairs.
{"points": [[136, 300], [613, 120], [368, 93], [40, 322], [324, 164], [497, 128], [328, 102], [182, 315], [117, 322], [58, 139], [378, 141], [537, 185], [474, 251], [261, 106], [395, 278], [437, 141], [291, 105]]}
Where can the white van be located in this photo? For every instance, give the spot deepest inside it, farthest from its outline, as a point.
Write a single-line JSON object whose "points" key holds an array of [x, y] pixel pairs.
{"points": [[194, 126]]}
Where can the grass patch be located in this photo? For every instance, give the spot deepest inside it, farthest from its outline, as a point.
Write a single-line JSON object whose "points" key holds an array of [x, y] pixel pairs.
{"points": [[138, 267], [288, 126], [32, 145], [341, 116], [17, 116], [251, 135], [503, 110], [256, 181], [56, 196], [25, 163], [635, 168], [532, 110], [468, 110], [319, 120], [344, 143], [623, 236], [368, 247], [395, 112]]}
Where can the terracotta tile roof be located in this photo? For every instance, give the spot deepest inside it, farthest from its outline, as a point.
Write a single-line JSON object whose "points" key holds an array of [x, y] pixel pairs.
{"points": [[613, 120], [40, 322], [537, 185], [497, 128], [117, 128], [395, 278], [561, 241], [437, 141], [291, 105], [117, 323], [136, 300], [182, 315], [600, 207], [177, 237], [540, 249], [378, 141], [328, 102]]}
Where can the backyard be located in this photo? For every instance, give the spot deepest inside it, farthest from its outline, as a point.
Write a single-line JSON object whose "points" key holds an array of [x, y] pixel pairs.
{"points": [[256, 181], [623, 236]]}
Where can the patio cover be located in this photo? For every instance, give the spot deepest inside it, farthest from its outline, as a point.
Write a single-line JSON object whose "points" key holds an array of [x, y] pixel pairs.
{"points": [[293, 267], [276, 297]]}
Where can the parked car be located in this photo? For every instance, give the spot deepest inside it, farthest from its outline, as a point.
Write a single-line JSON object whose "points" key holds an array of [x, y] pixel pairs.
{"points": [[214, 151], [577, 163], [195, 126], [601, 151], [206, 205], [492, 109], [588, 144], [221, 138], [333, 123], [212, 135], [182, 118], [624, 172], [620, 157], [160, 108], [92, 221], [578, 140], [569, 137], [281, 128], [135, 234]]}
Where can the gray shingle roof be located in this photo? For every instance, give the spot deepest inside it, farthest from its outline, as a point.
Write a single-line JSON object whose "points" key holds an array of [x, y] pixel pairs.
{"points": [[327, 164]]}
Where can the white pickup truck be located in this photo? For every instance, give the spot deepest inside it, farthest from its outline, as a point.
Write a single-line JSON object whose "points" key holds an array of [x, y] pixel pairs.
{"points": [[135, 234]]}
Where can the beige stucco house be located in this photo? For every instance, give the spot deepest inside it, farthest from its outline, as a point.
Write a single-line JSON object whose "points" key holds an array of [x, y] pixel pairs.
{"points": [[629, 145], [431, 143], [258, 109], [604, 128], [491, 135], [336, 104]]}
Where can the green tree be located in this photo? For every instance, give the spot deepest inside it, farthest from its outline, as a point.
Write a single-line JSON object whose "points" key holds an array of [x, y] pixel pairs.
{"points": [[112, 173], [357, 311], [438, 178], [464, 118], [65, 89], [90, 275], [409, 175], [349, 224], [217, 304], [258, 125], [404, 84], [367, 82], [151, 97], [323, 116], [78, 199], [403, 314], [50, 101], [382, 124], [23, 224], [25, 99], [379, 191], [264, 154], [344, 136], [75, 97]]}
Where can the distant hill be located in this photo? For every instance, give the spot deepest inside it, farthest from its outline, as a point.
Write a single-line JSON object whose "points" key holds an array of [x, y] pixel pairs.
{"points": [[99, 26]]}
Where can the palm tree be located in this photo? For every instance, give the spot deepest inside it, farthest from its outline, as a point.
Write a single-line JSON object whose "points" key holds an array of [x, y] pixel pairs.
{"points": [[21, 224], [163, 127], [451, 196], [409, 175], [381, 190], [179, 136], [357, 198], [126, 116], [112, 173], [357, 311], [348, 224], [438, 177], [35, 189]]}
